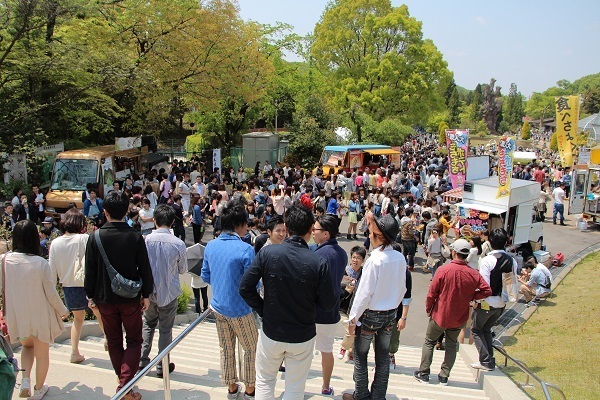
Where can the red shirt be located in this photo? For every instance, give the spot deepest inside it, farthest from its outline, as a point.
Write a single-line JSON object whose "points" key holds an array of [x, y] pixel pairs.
{"points": [[539, 175], [453, 287]]}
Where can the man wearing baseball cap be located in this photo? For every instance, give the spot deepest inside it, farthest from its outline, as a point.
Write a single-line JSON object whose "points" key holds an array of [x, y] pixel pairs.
{"points": [[453, 287]]}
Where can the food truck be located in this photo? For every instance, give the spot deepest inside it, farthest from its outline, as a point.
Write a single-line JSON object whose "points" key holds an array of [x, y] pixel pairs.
{"points": [[101, 166], [358, 155], [481, 209], [585, 191]]}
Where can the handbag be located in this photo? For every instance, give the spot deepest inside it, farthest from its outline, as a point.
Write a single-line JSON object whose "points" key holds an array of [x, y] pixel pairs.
{"points": [[446, 253], [120, 285], [3, 324]]}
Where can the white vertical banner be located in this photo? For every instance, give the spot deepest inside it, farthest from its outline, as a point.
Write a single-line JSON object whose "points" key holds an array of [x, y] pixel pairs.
{"points": [[217, 159]]}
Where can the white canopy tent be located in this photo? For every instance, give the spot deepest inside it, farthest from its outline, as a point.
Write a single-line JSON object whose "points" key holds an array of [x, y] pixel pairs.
{"points": [[591, 124]]}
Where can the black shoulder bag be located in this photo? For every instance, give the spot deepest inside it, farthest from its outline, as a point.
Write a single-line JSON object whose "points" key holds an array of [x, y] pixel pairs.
{"points": [[120, 285]]}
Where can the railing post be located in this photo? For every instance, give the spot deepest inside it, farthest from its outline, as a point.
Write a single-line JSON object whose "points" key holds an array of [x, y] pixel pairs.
{"points": [[166, 376]]}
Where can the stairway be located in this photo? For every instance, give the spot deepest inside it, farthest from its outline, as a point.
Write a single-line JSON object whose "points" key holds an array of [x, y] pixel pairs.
{"points": [[197, 373]]}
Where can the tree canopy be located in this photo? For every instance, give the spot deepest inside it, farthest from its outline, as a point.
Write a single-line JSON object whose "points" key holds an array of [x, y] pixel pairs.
{"points": [[378, 62]]}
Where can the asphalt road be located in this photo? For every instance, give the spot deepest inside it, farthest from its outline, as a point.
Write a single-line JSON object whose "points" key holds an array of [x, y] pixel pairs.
{"points": [[564, 239]]}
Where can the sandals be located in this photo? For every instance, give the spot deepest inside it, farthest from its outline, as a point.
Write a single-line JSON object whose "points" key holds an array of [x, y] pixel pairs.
{"points": [[77, 358]]}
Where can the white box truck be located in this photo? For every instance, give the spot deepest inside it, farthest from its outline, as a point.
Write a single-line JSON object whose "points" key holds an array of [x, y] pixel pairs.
{"points": [[481, 209]]}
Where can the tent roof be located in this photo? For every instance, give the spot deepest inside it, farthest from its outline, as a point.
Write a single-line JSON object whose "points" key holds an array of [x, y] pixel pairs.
{"points": [[591, 124]]}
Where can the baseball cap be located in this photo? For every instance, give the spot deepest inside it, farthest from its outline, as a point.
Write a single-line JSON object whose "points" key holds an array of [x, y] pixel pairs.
{"points": [[48, 220], [461, 246]]}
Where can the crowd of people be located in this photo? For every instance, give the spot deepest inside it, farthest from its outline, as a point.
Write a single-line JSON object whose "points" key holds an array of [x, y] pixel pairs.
{"points": [[275, 232]]}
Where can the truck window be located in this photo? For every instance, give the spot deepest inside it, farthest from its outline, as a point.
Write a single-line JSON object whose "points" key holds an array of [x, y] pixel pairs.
{"points": [[579, 183], [72, 174]]}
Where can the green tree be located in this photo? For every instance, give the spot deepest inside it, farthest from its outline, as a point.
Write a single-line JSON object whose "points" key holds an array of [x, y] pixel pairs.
{"points": [[526, 131], [312, 129], [514, 107], [453, 104], [442, 133], [591, 100], [477, 102], [377, 61]]}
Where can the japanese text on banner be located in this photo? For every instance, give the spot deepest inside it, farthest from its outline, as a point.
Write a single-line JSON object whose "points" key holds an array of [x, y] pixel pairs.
{"points": [[567, 118], [457, 143], [506, 150]]}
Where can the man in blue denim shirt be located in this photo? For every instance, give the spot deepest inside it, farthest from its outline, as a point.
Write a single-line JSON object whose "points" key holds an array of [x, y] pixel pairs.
{"points": [[225, 260]]}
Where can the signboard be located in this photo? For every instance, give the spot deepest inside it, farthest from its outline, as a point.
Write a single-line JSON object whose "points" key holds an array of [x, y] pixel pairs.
{"points": [[457, 143], [472, 222], [15, 167], [124, 143], [108, 175], [52, 149], [216, 159], [395, 158], [355, 159], [567, 118], [506, 151]]}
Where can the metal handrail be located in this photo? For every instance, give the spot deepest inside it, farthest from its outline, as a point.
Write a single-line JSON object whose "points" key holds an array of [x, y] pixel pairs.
{"points": [[523, 367], [162, 356]]}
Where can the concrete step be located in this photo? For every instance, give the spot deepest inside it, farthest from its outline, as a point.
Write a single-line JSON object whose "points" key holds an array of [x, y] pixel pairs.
{"points": [[197, 373]]}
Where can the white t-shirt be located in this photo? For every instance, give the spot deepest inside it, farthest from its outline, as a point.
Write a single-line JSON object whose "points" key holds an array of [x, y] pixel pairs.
{"points": [[146, 214], [559, 195]]}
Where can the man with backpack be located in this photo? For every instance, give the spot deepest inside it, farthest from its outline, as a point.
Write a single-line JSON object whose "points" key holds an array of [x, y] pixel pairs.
{"points": [[486, 312]]}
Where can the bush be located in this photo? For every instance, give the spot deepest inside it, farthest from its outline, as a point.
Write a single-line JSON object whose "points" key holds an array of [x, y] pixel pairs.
{"points": [[526, 131], [183, 300], [554, 142]]}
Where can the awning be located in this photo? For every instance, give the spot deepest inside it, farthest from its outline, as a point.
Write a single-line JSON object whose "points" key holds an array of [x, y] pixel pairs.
{"points": [[482, 207], [379, 152], [452, 194]]}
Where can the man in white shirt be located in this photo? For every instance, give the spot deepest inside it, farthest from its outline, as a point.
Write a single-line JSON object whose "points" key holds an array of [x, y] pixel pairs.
{"points": [[559, 208], [267, 168], [379, 292], [146, 218], [199, 187], [487, 312]]}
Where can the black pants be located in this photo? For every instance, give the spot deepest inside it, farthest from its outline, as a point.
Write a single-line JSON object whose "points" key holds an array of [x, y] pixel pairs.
{"points": [[198, 232], [179, 231], [197, 292]]}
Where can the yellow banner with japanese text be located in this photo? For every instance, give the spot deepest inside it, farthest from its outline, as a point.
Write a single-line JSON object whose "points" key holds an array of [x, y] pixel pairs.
{"points": [[567, 117]]}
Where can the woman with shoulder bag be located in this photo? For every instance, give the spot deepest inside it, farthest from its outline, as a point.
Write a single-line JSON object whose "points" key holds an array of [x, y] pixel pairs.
{"points": [[35, 319], [67, 261]]}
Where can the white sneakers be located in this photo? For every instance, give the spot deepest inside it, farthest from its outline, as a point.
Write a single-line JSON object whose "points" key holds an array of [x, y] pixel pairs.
{"points": [[38, 394], [481, 367], [25, 391]]}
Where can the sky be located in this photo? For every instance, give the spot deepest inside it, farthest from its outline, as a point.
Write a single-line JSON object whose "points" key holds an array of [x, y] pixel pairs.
{"points": [[532, 43]]}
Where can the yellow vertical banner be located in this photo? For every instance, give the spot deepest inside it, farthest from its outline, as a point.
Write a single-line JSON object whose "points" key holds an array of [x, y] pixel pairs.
{"points": [[567, 117]]}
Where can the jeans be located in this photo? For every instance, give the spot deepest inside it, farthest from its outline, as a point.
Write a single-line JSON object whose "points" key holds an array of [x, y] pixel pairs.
{"points": [[375, 325], [559, 209], [434, 331], [164, 317], [270, 354], [409, 249], [481, 327], [115, 317]]}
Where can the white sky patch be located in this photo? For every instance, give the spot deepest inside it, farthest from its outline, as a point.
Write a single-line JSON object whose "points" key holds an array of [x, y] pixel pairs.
{"points": [[480, 20]]}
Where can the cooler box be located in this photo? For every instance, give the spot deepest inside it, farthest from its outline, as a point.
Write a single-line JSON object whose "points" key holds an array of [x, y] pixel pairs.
{"points": [[542, 256], [558, 259]]}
